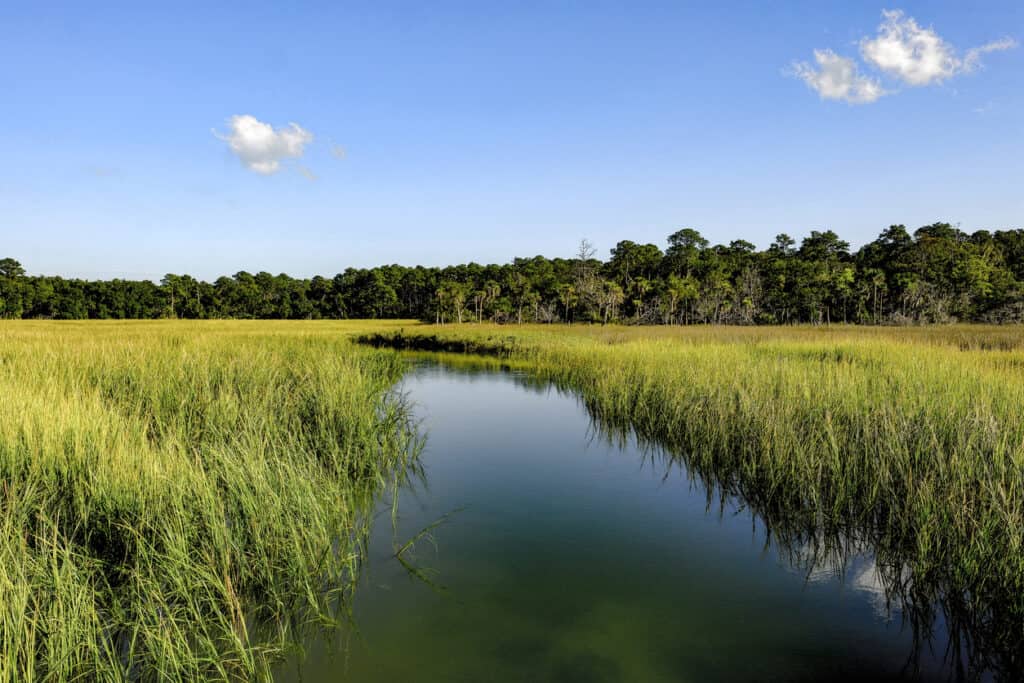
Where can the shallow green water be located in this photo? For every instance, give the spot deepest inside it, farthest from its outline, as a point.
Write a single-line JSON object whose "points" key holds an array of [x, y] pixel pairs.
{"points": [[569, 558]]}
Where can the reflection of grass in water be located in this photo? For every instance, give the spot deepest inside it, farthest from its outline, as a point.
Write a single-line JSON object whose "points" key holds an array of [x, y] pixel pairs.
{"points": [[907, 441], [176, 500], [405, 553]]}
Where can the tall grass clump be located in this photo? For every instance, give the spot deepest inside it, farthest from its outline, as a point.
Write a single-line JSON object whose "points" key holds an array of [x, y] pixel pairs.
{"points": [[176, 499], [907, 441]]}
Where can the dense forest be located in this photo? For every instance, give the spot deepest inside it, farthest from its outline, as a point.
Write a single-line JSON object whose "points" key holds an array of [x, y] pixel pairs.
{"points": [[937, 274]]}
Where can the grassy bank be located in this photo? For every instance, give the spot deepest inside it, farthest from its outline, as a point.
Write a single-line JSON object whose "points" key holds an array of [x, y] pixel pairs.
{"points": [[176, 498], [907, 441]]}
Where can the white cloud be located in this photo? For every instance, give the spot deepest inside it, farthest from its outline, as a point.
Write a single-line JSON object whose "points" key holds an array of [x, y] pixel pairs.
{"points": [[915, 55], [262, 148], [901, 49], [972, 59], [837, 78]]}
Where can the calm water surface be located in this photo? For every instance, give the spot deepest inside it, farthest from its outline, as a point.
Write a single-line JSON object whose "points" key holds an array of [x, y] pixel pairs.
{"points": [[569, 558]]}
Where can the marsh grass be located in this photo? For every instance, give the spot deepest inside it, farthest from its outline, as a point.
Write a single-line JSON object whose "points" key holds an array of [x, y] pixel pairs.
{"points": [[173, 495], [180, 501], [907, 441]]}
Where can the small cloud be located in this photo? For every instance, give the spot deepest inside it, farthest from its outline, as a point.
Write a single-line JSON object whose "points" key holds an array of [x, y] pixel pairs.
{"points": [[307, 172], [837, 78], [261, 147], [985, 108], [972, 58], [338, 151]]}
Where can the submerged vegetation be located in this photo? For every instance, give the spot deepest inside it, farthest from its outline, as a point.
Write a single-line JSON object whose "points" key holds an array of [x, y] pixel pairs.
{"points": [[177, 499], [904, 441]]}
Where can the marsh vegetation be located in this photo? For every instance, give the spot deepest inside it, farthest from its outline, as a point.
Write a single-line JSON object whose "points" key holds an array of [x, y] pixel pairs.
{"points": [[176, 500], [179, 500]]}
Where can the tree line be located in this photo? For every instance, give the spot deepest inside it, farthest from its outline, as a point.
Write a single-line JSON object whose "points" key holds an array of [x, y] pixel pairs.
{"points": [[938, 273]]}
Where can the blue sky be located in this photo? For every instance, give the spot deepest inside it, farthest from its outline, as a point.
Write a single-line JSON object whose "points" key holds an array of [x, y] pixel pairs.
{"points": [[437, 133]]}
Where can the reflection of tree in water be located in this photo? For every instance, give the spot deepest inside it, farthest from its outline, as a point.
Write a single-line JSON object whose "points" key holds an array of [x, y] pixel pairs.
{"points": [[975, 627]]}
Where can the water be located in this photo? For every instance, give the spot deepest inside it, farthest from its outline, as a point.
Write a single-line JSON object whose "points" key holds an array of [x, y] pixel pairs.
{"points": [[569, 558]]}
